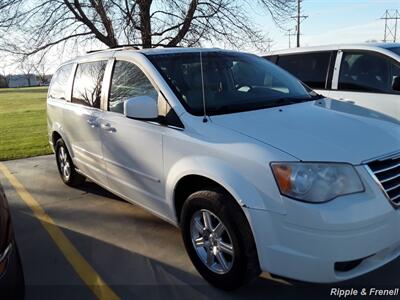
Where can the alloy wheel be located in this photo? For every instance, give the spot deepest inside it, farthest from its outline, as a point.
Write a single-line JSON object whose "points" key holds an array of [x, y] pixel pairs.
{"points": [[65, 166], [212, 241]]}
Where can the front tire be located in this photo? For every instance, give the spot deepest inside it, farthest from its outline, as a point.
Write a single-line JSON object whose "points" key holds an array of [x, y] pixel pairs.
{"points": [[218, 239], [66, 167]]}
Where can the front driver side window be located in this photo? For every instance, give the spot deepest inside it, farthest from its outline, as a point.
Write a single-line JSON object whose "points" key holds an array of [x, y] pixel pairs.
{"points": [[128, 81], [365, 72]]}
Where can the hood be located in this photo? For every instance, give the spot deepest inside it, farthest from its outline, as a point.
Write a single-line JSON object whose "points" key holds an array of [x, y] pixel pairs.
{"points": [[322, 130]]}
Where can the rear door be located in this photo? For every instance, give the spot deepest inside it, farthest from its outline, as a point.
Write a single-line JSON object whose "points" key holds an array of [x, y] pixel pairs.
{"points": [[58, 95], [366, 78], [81, 119], [312, 68]]}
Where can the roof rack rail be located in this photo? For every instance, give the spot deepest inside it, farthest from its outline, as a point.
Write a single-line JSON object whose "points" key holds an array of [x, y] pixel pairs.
{"points": [[119, 47]]}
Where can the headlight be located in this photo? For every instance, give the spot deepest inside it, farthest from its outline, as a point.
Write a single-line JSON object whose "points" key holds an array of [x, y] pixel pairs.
{"points": [[316, 182]]}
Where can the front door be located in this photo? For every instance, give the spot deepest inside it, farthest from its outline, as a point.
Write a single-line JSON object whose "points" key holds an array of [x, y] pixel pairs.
{"points": [[132, 149]]}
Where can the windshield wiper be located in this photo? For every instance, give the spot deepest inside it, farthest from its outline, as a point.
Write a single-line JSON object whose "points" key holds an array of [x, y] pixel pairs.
{"points": [[223, 109], [293, 100], [245, 107]]}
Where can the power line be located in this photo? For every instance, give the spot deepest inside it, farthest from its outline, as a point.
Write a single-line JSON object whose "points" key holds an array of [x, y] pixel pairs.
{"points": [[299, 19], [391, 17]]}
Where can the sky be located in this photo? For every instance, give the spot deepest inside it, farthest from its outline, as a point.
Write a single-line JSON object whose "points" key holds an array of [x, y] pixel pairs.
{"points": [[333, 21], [328, 22]]}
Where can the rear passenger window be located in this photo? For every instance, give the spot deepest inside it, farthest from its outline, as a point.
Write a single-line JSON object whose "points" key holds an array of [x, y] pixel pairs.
{"points": [[59, 83], [311, 68], [87, 83], [272, 58], [128, 81], [365, 72]]}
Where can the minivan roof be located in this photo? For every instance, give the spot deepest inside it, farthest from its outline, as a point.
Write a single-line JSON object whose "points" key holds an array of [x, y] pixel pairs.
{"points": [[361, 46], [107, 53]]}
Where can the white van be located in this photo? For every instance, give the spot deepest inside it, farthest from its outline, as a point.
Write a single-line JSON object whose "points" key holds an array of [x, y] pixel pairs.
{"points": [[365, 74], [259, 172]]}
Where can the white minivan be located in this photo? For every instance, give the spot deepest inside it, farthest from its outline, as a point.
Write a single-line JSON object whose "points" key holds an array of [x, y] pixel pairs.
{"points": [[259, 172], [365, 74]]}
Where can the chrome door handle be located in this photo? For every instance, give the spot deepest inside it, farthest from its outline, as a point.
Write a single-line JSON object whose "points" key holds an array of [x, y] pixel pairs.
{"points": [[92, 123], [107, 127]]}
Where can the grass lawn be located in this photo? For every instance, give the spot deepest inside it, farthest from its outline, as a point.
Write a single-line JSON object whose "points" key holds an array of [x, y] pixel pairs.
{"points": [[23, 125]]}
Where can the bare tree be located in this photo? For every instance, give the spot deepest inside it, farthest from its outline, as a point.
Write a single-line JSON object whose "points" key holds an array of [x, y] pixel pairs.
{"points": [[4, 78], [37, 25], [27, 67], [3, 83], [41, 67]]}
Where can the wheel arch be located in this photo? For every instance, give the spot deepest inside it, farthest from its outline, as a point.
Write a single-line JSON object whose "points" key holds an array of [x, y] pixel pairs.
{"points": [[57, 134], [190, 184], [193, 174]]}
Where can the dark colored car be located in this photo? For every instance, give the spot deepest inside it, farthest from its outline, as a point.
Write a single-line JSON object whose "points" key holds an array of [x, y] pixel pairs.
{"points": [[12, 284]]}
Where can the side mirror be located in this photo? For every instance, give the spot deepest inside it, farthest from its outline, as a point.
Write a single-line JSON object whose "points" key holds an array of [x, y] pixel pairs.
{"points": [[396, 84], [141, 108]]}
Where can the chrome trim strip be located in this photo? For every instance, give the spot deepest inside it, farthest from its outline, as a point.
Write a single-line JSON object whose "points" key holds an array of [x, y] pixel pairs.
{"points": [[6, 253], [380, 186], [392, 188], [390, 178], [386, 169], [398, 196]]}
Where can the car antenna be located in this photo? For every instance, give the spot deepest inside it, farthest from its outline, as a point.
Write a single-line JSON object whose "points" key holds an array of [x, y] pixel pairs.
{"points": [[202, 88]]}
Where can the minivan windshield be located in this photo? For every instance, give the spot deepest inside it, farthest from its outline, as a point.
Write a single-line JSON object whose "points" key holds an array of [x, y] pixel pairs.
{"points": [[231, 82]]}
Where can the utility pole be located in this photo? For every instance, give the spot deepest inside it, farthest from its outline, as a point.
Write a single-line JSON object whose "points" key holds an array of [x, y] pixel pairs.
{"points": [[290, 34], [299, 18], [391, 17], [269, 42]]}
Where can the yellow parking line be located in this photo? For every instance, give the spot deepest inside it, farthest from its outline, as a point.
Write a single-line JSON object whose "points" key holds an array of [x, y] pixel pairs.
{"points": [[78, 262]]}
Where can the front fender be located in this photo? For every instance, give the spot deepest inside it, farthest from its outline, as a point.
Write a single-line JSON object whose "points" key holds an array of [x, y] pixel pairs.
{"points": [[245, 193]]}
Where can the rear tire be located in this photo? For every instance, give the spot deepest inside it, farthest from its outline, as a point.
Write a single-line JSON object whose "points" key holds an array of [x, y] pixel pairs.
{"points": [[225, 256], [66, 167]]}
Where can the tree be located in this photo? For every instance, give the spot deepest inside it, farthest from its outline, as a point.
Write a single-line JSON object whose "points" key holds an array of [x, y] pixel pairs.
{"points": [[4, 78], [41, 68], [37, 25], [27, 67], [3, 82]]}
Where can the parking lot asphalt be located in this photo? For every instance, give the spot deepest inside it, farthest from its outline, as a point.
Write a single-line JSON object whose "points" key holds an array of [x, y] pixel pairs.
{"points": [[133, 253]]}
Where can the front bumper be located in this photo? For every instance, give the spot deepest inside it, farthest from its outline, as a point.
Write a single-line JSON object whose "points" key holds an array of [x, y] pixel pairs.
{"points": [[329, 242]]}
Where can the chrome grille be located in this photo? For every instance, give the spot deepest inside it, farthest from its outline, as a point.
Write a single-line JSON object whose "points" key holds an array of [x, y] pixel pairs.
{"points": [[387, 173]]}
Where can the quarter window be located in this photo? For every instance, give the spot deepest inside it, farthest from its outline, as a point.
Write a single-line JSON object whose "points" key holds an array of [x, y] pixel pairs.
{"points": [[87, 83], [365, 72], [59, 83], [311, 68], [128, 81]]}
